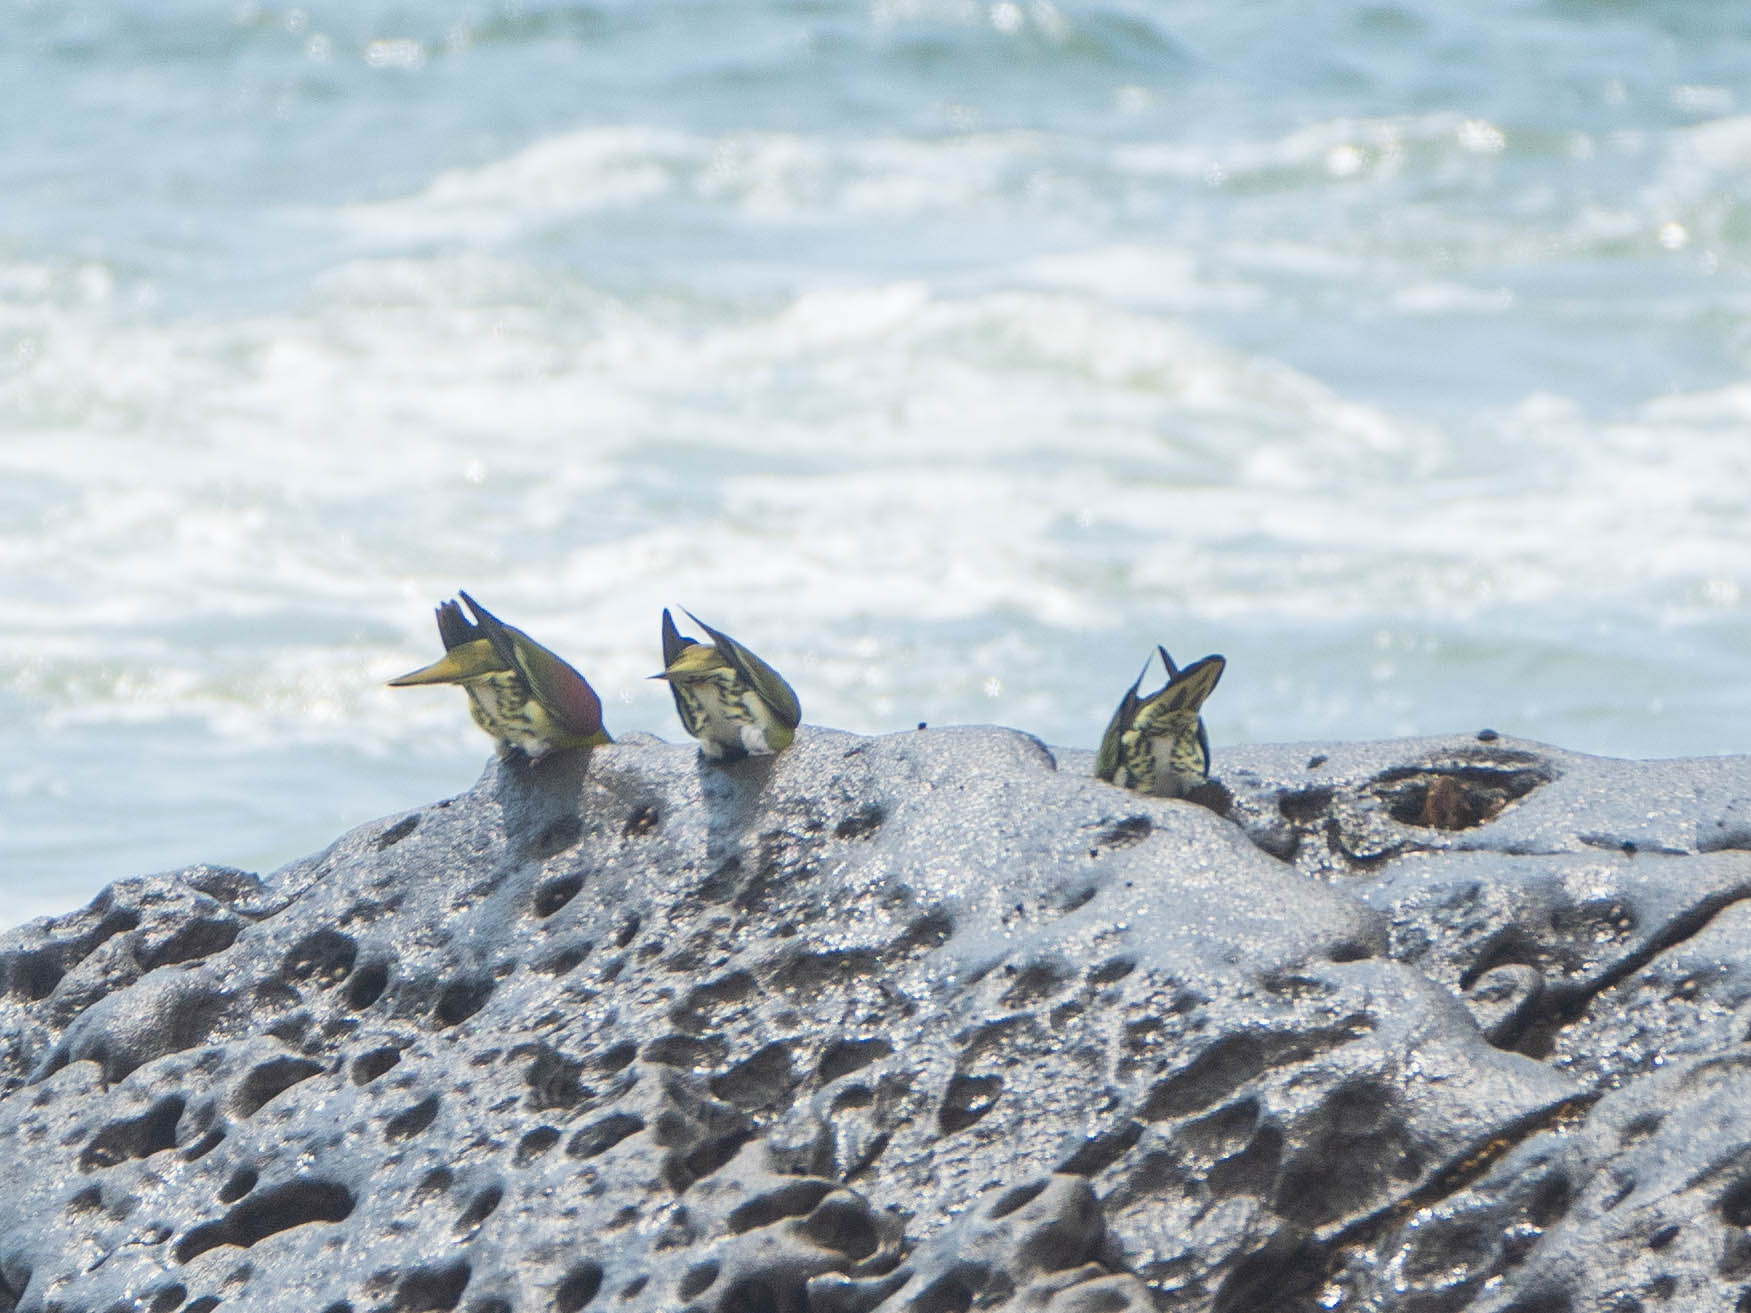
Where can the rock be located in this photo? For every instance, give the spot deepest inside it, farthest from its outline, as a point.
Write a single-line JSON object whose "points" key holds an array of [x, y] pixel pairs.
{"points": [[929, 1022]]}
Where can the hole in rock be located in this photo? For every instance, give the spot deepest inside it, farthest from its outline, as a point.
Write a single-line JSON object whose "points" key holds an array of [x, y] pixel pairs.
{"points": [[35, 974], [190, 942], [697, 1281], [204, 1146], [411, 1121], [325, 956], [845, 1056], [1100, 1152], [643, 821], [271, 1078], [684, 1051], [761, 1079], [431, 1289], [932, 930], [553, 1080], [1115, 969], [866, 822], [793, 1199], [1033, 982], [1212, 1076], [1017, 1197], [603, 1134], [578, 1288], [534, 1144], [296, 1203], [241, 1183], [706, 1159], [205, 1304], [1735, 1204], [171, 1297], [367, 1067], [967, 1099], [435, 1182], [480, 1208], [752, 1295], [1553, 1302], [560, 834], [1550, 1200], [551, 895], [1303, 805], [842, 1222], [396, 833], [461, 999], [1454, 797], [952, 1292], [613, 1059], [1132, 830], [564, 960], [1275, 1276], [367, 986], [137, 1137]]}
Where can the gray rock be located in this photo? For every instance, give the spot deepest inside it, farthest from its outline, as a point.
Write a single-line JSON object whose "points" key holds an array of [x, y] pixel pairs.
{"points": [[929, 1022]]}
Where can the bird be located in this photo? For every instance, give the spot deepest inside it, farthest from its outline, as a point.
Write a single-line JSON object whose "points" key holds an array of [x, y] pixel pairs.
{"points": [[520, 693], [729, 699], [1157, 744]]}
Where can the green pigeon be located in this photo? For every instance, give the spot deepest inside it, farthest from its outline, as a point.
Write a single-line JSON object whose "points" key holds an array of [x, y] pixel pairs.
{"points": [[729, 699], [520, 693], [1157, 744]]}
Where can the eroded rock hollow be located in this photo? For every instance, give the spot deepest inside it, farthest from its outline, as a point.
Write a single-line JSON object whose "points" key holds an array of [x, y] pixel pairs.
{"points": [[924, 1023]]}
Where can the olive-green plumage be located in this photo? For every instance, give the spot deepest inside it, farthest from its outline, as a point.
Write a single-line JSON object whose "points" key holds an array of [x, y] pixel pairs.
{"points": [[519, 692], [729, 699], [1157, 744]]}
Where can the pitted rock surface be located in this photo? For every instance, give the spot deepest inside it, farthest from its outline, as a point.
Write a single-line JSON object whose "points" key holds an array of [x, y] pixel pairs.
{"points": [[930, 1022]]}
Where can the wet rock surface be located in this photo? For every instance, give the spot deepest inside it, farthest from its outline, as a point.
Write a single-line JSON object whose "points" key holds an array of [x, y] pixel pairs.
{"points": [[930, 1022]]}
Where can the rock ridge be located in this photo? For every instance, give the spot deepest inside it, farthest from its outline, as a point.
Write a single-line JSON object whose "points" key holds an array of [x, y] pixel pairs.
{"points": [[927, 1022]]}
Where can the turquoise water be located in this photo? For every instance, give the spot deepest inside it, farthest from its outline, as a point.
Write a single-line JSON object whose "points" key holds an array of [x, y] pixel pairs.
{"points": [[949, 354]]}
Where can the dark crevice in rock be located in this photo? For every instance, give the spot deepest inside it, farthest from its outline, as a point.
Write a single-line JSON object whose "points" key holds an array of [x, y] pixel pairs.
{"points": [[432, 1289], [190, 942], [367, 986], [967, 1100], [1455, 797], [1565, 1002], [1459, 1173], [136, 1137], [578, 1288], [271, 1078], [396, 833], [296, 1203], [241, 1183], [412, 1121]]}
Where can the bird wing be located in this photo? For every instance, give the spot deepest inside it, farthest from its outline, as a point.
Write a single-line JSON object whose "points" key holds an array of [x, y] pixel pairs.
{"points": [[759, 676], [1188, 688], [555, 684], [1106, 761], [496, 631], [674, 641], [454, 627]]}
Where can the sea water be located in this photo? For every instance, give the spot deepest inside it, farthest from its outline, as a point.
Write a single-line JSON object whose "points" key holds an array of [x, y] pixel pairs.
{"points": [[950, 354]]}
